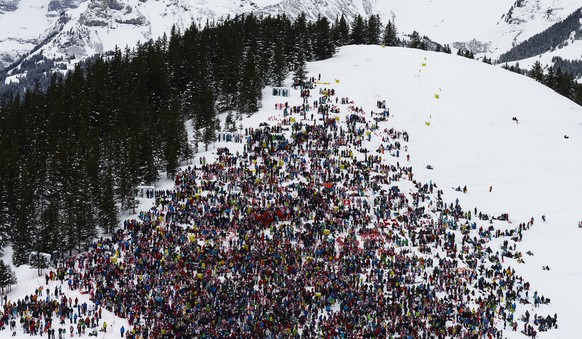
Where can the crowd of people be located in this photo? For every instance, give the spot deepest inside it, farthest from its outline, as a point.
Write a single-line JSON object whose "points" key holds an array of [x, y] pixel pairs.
{"points": [[48, 312], [304, 233]]}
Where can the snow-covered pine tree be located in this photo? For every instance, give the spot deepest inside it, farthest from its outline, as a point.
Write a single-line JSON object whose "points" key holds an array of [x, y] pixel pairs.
{"points": [[390, 35]]}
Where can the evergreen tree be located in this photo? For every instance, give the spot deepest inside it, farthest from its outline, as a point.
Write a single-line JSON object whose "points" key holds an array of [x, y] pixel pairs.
{"points": [[300, 73], [48, 233], [515, 68], [323, 46], [359, 28], [415, 41], [390, 35], [578, 94], [373, 30], [550, 78], [7, 276], [209, 135], [279, 64], [230, 123], [72, 156], [22, 233], [7, 193], [197, 137], [107, 215], [564, 84], [301, 39], [227, 67], [537, 72], [250, 92], [80, 215], [175, 143], [340, 32], [126, 176]]}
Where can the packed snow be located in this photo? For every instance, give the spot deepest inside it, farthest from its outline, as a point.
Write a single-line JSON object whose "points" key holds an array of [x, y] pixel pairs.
{"points": [[459, 116]]}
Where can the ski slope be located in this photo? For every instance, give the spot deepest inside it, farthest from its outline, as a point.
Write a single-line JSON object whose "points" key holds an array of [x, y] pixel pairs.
{"points": [[532, 169], [473, 141], [445, 21]]}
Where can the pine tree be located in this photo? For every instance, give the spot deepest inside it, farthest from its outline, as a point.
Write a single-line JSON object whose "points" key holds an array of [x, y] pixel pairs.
{"points": [[279, 64], [197, 137], [300, 73], [340, 32], [107, 209], [249, 86], [7, 184], [515, 68], [390, 35], [50, 226], [564, 84], [126, 175], [229, 54], [578, 94], [72, 156], [175, 144], [415, 41], [358, 35], [22, 235], [373, 30], [537, 72], [550, 78], [7, 276], [301, 38], [230, 123], [208, 136], [80, 213], [323, 47]]}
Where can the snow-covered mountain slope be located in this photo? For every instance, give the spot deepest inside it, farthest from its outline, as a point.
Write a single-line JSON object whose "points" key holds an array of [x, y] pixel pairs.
{"points": [[525, 19], [561, 40], [67, 28], [24, 24], [77, 28], [473, 141]]}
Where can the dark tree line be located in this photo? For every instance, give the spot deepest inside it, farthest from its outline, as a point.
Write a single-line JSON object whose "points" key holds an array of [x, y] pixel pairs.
{"points": [[570, 66], [74, 150], [425, 43], [562, 82], [467, 54]]}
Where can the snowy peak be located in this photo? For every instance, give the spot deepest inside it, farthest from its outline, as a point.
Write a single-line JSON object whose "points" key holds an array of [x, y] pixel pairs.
{"points": [[524, 11], [563, 40], [527, 18], [109, 13], [26, 24], [315, 8]]}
